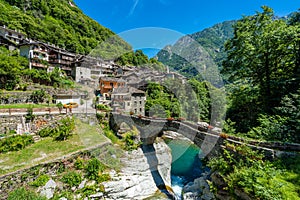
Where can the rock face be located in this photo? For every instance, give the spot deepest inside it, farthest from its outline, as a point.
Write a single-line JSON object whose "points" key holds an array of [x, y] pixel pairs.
{"points": [[199, 189], [145, 170]]}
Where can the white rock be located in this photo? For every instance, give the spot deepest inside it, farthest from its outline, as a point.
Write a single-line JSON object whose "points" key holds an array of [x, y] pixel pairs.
{"points": [[82, 184], [48, 190], [98, 195], [135, 181]]}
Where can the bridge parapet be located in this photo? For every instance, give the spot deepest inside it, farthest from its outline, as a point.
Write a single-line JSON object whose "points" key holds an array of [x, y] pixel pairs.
{"points": [[209, 142]]}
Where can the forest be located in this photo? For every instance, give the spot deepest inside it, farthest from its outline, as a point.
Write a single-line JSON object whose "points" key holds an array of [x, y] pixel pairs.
{"points": [[263, 70]]}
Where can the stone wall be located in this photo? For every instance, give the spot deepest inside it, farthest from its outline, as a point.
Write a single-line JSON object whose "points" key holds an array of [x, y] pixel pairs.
{"points": [[21, 178], [19, 124]]}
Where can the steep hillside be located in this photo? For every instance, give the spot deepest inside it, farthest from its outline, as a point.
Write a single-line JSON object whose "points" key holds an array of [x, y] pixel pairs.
{"points": [[59, 22], [198, 52]]}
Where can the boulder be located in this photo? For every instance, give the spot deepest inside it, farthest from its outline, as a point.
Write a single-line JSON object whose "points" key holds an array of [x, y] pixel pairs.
{"points": [[48, 190]]}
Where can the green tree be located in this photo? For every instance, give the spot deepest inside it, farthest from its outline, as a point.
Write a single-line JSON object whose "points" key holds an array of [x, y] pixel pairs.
{"points": [[262, 53]]}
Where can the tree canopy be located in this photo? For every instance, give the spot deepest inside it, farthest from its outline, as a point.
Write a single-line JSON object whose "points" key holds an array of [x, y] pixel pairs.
{"points": [[263, 67]]}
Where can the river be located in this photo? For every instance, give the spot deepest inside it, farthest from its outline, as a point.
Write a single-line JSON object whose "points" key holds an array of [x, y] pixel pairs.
{"points": [[186, 165]]}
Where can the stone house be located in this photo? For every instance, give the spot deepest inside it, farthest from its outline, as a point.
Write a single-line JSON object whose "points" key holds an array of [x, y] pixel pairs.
{"points": [[37, 53], [128, 99], [108, 84], [46, 56], [10, 38]]}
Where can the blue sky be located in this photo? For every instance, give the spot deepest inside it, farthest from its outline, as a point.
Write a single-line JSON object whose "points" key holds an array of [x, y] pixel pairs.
{"points": [[184, 16]]}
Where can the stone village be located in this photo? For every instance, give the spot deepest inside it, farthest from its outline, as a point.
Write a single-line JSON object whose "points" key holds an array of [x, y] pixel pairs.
{"points": [[121, 87]]}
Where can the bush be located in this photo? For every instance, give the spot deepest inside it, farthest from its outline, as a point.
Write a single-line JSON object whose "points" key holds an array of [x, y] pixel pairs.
{"points": [[72, 178], [40, 181], [62, 131], [22, 193], [103, 107], [103, 177], [29, 117], [79, 163], [15, 143], [94, 168], [129, 138]]}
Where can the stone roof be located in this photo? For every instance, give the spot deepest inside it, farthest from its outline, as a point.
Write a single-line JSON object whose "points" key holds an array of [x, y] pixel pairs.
{"points": [[111, 79], [127, 90]]}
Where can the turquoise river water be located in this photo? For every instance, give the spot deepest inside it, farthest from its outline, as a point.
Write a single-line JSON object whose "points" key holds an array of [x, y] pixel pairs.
{"points": [[186, 165]]}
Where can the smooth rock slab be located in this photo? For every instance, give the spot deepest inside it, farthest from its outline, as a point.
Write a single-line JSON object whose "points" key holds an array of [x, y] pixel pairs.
{"points": [[136, 181]]}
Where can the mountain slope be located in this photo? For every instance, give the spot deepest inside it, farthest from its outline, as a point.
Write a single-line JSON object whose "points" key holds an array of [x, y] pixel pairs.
{"points": [[198, 52], [59, 22]]}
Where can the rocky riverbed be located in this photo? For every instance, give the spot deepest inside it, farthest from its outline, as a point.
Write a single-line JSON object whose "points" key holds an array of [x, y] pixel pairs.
{"points": [[145, 170]]}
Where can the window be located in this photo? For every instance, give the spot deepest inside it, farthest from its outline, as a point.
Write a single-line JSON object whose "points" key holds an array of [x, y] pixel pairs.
{"points": [[140, 102], [140, 109], [128, 103]]}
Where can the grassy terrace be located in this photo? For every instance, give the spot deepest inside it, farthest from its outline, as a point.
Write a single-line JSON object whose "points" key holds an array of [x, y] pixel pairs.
{"points": [[14, 106], [47, 149]]}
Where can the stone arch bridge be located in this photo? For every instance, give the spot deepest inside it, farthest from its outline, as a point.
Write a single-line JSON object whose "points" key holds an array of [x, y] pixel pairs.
{"points": [[210, 142]]}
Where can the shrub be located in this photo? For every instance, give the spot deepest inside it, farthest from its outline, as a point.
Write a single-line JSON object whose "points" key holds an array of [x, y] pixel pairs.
{"points": [[40, 181], [103, 107], [100, 116], [22, 193], [103, 177], [62, 131], [29, 117], [72, 178], [130, 140], [15, 143], [94, 168], [79, 163]]}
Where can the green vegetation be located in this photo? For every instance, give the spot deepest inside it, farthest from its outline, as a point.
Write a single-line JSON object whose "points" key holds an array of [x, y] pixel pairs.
{"points": [[103, 107], [23, 193], [12, 67], [191, 101], [263, 67], [72, 178], [15, 143], [94, 171], [40, 181], [54, 21], [61, 131], [38, 96], [138, 58], [13, 106], [129, 138], [207, 48], [47, 149], [15, 74], [257, 178]]}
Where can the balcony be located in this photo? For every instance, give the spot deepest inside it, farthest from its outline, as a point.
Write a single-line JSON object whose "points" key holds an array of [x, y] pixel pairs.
{"points": [[38, 65]]}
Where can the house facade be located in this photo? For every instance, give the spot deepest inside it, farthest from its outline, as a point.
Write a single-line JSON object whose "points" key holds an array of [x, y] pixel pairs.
{"points": [[37, 54], [128, 100], [12, 35], [107, 84], [46, 56]]}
